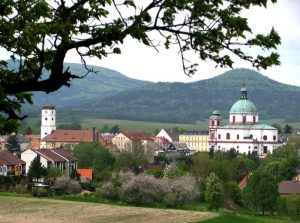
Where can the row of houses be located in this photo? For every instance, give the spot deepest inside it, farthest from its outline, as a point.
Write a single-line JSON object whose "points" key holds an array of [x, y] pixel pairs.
{"points": [[11, 165]]}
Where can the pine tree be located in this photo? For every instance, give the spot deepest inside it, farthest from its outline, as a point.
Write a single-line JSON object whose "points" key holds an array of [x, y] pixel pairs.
{"points": [[12, 144], [36, 170]]}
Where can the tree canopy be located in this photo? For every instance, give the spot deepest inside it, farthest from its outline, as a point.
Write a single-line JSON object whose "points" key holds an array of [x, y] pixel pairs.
{"points": [[38, 34]]}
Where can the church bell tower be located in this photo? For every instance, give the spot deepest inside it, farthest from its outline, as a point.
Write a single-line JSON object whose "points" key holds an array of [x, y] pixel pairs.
{"points": [[48, 120]]}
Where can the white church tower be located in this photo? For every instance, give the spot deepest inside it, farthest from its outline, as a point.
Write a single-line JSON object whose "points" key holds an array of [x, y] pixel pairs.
{"points": [[48, 120]]}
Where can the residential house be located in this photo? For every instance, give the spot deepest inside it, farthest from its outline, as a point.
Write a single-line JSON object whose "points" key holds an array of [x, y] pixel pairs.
{"points": [[34, 142], [85, 174], [287, 187], [11, 165], [168, 134], [125, 140], [161, 144], [197, 140], [70, 138], [183, 148], [58, 158]]}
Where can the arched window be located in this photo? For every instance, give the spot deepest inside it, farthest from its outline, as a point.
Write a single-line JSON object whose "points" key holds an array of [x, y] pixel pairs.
{"points": [[274, 138], [265, 137], [237, 136], [233, 119], [218, 122], [228, 136], [219, 136], [244, 119], [254, 119]]}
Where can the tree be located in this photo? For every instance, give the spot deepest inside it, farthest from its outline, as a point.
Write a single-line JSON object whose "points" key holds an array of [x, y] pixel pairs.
{"points": [[214, 192], [288, 128], [93, 155], [115, 129], [39, 34], [54, 172], [105, 128], [36, 170], [261, 192], [13, 144]]}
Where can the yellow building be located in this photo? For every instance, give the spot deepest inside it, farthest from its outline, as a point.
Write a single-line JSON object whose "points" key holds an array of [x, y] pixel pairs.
{"points": [[197, 140]]}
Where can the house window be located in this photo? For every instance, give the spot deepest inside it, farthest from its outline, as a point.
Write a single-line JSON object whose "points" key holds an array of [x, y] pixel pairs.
{"points": [[244, 119], [265, 137], [1, 169], [237, 136], [5, 169], [265, 149], [227, 136]]}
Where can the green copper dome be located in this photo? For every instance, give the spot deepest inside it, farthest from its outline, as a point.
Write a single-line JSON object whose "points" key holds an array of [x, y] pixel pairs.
{"points": [[216, 112], [244, 105]]}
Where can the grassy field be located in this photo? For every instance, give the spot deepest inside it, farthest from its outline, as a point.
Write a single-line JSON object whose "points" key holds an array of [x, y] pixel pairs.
{"points": [[38, 210]]}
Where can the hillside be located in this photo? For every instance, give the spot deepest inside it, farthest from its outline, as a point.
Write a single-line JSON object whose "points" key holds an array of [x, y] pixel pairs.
{"points": [[189, 102], [104, 83]]}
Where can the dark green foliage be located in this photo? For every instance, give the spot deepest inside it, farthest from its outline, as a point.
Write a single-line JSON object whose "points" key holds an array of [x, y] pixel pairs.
{"points": [[233, 192], [12, 144], [278, 127], [54, 172], [95, 156], [261, 192], [31, 40], [157, 173], [115, 129], [74, 175], [288, 128], [36, 170]]}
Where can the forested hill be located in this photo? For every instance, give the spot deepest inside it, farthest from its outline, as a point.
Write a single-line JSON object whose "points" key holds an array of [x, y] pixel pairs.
{"points": [[189, 102], [94, 86]]}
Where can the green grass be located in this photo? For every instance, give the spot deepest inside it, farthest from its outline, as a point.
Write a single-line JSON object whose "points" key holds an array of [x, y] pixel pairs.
{"points": [[236, 218]]}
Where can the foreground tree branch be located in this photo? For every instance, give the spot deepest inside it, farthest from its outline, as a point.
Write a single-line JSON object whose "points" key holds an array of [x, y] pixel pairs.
{"points": [[39, 33]]}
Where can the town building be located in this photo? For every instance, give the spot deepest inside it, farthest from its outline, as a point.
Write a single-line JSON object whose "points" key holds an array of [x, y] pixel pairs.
{"points": [[70, 138], [169, 134], [48, 120], [196, 140], [244, 133], [125, 140], [49, 158], [10, 165]]}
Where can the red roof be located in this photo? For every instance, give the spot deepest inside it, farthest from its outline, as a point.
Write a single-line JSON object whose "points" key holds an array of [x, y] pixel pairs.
{"points": [[50, 155], [289, 187], [163, 140], [172, 134], [244, 181], [87, 173], [64, 154], [72, 136], [137, 136], [8, 159]]}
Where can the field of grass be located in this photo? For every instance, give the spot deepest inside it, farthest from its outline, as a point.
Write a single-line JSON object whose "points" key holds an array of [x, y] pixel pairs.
{"points": [[236, 218], [40, 210]]}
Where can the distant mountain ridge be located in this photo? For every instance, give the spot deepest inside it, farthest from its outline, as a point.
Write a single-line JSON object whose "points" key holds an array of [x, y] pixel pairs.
{"points": [[189, 102], [94, 86]]}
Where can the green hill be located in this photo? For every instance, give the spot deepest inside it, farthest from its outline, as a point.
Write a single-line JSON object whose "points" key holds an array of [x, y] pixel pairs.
{"points": [[190, 102], [94, 86]]}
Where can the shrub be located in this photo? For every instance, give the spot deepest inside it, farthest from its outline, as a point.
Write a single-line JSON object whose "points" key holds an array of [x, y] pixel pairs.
{"points": [[214, 193], [108, 191], [42, 192], [180, 191], [64, 185], [156, 173], [234, 192], [19, 188]]}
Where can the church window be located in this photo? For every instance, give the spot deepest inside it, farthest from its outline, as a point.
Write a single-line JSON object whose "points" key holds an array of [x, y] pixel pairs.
{"points": [[265, 149], [219, 136], [274, 138], [254, 119], [52, 119], [218, 122], [233, 119], [237, 136], [46, 119], [228, 136], [244, 119], [265, 137], [46, 133], [251, 136], [211, 122]]}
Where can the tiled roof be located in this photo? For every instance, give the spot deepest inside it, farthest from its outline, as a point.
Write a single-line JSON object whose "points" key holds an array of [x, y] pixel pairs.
{"points": [[289, 187], [7, 158], [50, 155], [137, 136], [172, 134], [163, 140], [64, 154], [71, 136], [87, 173]]}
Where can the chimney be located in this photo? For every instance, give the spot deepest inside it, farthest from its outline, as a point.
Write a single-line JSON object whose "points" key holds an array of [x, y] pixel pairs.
{"points": [[94, 134]]}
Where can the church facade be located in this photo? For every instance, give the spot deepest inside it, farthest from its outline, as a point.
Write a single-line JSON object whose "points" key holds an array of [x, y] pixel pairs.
{"points": [[244, 133]]}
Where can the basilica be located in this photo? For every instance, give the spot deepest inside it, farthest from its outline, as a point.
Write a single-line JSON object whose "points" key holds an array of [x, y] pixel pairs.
{"points": [[244, 133]]}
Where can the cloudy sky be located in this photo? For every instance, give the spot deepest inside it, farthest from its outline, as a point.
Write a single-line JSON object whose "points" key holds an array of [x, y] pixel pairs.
{"points": [[141, 62]]}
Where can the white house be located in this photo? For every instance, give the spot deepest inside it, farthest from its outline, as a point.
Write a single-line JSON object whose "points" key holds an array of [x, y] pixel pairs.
{"points": [[169, 134], [59, 158], [244, 133]]}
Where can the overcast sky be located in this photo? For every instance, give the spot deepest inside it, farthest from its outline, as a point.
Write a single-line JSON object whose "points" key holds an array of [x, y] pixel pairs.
{"points": [[141, 62]]}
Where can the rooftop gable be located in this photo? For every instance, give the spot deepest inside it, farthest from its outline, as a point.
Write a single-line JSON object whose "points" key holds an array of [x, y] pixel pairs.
{"points": [[7, 158], [50, 155]]}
